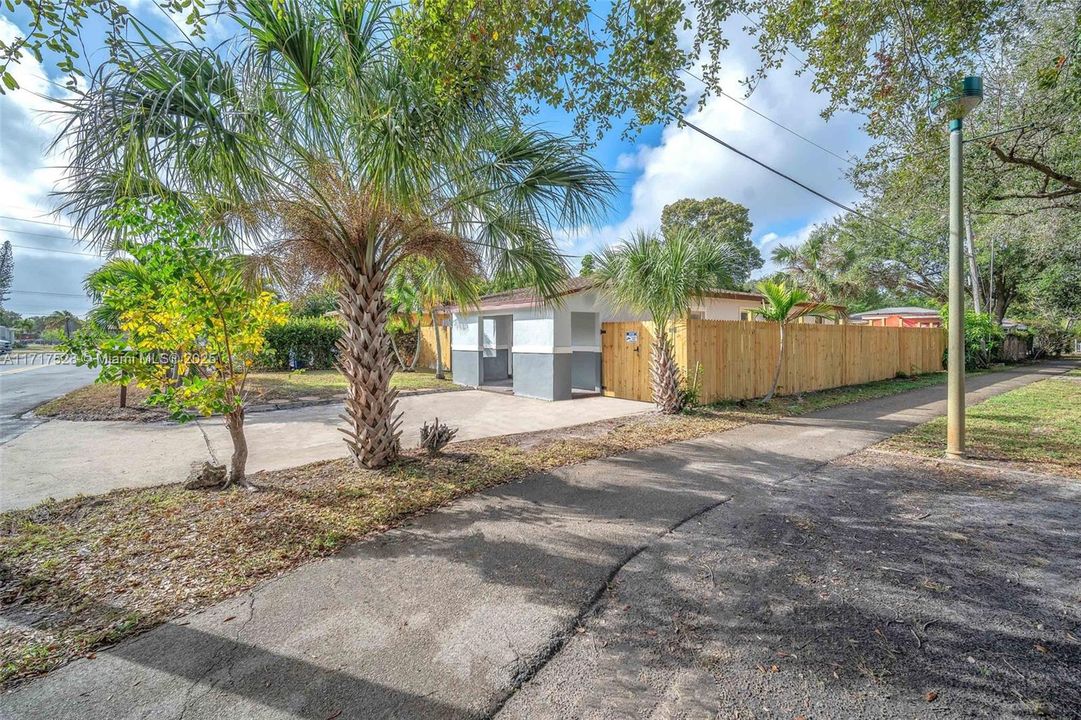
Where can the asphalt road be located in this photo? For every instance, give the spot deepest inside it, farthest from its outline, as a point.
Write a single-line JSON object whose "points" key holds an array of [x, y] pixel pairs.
{"points": [[28, 381]]}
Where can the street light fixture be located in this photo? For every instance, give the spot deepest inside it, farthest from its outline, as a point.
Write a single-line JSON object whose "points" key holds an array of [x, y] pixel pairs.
{"points": [[955, 104]]}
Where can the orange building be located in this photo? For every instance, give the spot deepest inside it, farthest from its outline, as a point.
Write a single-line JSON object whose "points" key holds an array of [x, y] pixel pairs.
{"points": [[899, 317]]}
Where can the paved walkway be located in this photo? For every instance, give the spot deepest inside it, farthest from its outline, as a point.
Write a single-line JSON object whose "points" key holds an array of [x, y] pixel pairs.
{"points": [[445, 617], [64, 458]]}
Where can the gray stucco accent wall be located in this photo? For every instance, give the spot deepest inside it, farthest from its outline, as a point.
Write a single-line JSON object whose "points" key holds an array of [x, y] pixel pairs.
{"points": [[466, 367], [543, 375], [496, 365], [586, 370]]}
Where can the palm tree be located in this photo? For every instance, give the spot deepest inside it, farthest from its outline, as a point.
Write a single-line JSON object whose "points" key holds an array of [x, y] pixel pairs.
{"points": [[818, 265], [783, 304], [62, 320], [317, 130], [661, 277]]}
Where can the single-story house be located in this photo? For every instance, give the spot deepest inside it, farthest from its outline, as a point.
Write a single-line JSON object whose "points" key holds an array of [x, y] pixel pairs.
{"points": [[898, 317], [552, 350]]}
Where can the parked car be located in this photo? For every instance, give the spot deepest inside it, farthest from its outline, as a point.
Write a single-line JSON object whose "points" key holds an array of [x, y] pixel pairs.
{"points": [[7, 339]]}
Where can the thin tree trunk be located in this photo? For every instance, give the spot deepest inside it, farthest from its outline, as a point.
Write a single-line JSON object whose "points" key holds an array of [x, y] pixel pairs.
{"points": [[664, 373], [397, 353], [974, 273], [238, 463], [777, 370], [439, 373], [416, 352], [366, 361]]}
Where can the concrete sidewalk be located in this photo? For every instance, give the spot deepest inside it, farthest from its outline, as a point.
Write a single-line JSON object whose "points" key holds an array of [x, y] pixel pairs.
{"points": [[63, 459], [445, 617]]}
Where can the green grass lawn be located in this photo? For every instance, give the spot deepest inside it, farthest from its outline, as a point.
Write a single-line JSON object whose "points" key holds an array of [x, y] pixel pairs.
{"points": [[1037, 426], [100, 402]]}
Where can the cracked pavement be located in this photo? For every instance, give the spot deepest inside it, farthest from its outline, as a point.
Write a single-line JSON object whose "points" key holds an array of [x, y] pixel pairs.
{"points": [[449, 615]]}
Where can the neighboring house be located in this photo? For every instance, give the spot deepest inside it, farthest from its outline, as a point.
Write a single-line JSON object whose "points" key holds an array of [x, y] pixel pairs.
{"points": [[899, 317], [550, 350]]}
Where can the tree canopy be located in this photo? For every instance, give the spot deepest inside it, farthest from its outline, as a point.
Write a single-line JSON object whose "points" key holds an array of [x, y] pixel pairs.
{"points": [[725, 223]]}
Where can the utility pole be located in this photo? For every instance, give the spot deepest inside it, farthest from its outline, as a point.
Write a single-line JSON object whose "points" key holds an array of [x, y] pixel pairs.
{"points": [[956, 105]]}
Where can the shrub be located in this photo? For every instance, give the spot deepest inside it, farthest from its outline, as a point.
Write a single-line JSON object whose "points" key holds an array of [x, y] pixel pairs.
{"points": [[315, 304], [690, 391], [983, 336], [302, 342], [435, 437], [1051, 339]]}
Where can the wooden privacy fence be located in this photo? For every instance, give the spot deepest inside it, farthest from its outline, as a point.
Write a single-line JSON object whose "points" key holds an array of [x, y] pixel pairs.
{"points": [[427, 346], [738, 358]]}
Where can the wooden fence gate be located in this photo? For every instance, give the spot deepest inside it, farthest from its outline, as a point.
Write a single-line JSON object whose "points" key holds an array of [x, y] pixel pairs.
{"points": [[625, 360]]}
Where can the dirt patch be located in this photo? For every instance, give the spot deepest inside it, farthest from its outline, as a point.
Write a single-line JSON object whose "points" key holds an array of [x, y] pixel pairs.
{"points": [[873, 587]]}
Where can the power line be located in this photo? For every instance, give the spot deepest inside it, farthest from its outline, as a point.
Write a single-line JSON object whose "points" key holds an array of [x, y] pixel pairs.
{"points": [[50, 250], [680, 118], [43, 292], [771, 120], [33, 234], [36, 222], [758, 27], [940, 148]]}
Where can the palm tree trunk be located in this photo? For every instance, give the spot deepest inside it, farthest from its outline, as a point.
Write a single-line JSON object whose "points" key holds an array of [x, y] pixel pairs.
{"points": [[439, 373], [239, 462], [664, 373], [777, 370], [365, 359]]}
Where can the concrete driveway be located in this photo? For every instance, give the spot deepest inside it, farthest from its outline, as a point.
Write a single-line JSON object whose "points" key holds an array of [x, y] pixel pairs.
{"points": [[62, 459]]}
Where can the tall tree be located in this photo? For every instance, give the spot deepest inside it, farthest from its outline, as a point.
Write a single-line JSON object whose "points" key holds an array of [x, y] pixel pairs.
{"points": [[314, 128], [721, 221], [7, 272], [588, 262], [662, 277]]}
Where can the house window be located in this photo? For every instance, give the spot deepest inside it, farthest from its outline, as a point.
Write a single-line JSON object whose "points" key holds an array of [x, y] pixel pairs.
{"points": [[748, 314], [698, 314]]}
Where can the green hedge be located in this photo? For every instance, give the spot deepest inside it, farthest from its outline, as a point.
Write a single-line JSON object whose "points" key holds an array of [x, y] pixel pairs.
{"points": [[310, 341]]}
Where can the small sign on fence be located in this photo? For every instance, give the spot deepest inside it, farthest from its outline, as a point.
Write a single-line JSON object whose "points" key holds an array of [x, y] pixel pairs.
{"points": [[631, 336]]}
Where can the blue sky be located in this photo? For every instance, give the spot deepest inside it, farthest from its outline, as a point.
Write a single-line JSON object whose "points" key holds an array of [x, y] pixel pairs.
{"points": [[660, 165]]}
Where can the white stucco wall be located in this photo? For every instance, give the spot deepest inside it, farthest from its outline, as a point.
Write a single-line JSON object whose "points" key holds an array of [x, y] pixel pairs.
{"points": [[585, 331], [465, 332], [534, 330]]}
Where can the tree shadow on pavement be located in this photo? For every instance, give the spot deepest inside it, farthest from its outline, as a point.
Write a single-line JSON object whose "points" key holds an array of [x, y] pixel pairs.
{"points": [[862, 589]]}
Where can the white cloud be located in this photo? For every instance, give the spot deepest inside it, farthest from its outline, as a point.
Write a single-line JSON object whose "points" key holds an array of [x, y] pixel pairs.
{"points": [[686, 164], [45, 280]]}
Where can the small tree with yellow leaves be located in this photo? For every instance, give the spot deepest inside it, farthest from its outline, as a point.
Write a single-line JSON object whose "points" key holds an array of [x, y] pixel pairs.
{"points": [[177, 317]]}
